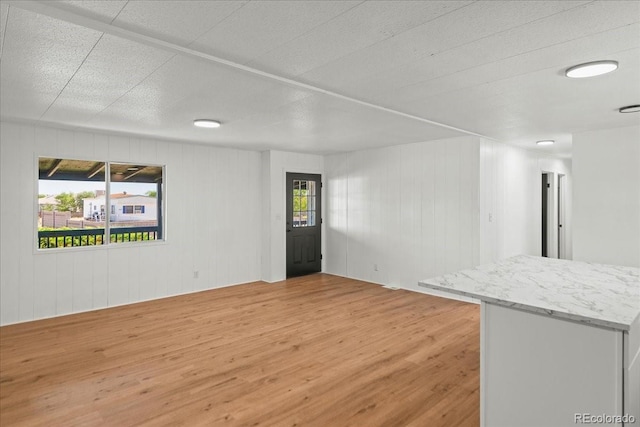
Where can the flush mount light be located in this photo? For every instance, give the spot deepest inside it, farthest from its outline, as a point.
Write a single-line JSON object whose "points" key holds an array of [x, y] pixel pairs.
{"points": [[591, 69], [206, 123], [630, 109], [546, 142]]}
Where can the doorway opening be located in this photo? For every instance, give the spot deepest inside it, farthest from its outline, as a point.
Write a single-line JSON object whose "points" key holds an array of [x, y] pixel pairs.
{"points": [[303, 224], [547, 215], [562, 190], [553, 215]]}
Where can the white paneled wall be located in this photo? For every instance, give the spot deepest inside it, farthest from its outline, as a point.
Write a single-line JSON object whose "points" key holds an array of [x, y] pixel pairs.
{"points": [[607, 196], [214, 205], [393, 216], [510, 200], [400, 214], [275, 165]]}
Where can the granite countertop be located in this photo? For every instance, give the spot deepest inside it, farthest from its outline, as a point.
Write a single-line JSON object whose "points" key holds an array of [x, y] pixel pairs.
{"points": [[595, 294]]}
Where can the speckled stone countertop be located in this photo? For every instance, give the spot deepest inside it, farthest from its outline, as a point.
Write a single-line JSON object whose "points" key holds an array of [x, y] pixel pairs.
{"points": [[595, 294]]}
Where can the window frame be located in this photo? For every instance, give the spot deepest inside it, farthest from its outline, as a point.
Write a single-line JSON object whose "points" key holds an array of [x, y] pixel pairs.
{"points": [[106, 244]]}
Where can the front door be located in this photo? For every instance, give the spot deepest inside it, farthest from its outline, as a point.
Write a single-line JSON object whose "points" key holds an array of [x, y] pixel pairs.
{"points": [[303, 224]]}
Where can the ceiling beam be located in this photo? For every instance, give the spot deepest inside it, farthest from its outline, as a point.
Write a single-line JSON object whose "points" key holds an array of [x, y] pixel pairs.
{"points": [[134, 173], [48, 9], [54, 168], [95, 170]]}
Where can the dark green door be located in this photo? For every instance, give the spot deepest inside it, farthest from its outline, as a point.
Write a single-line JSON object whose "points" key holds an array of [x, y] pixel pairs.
{"points": [[303, 224]]}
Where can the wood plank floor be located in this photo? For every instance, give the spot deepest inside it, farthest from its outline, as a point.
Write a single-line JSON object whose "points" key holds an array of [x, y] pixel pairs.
{"points": [[314, 351]]}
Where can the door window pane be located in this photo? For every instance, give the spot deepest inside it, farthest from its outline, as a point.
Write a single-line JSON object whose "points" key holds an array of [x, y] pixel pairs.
{"points": [[304, 203]]}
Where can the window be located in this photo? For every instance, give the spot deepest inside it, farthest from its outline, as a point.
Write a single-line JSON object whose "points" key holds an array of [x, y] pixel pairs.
{"points": [[304, 203], [73, 195], [129, 209]]}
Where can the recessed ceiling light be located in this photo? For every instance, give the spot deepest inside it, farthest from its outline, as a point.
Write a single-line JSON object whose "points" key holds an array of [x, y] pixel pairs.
{"points": [[591, 69], [546, 142], [630, 109], [206, 123]]}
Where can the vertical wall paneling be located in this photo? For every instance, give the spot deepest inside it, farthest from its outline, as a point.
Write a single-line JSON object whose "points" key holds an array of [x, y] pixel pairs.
{"points": [[185, 217], [381, 179], [100, 146], [427, 210], [410, 232], [402, 213], [45, 286], [135, 271], [118, 273], [265, 187], [176, 197], [138, 153], [336, 210], [45, 144], [212, 225], [100, 277], [82, 281], [64, 283], [118, 148], [469, 202], [510, 200], [440, 212], [22, 180], [454, 217], [84, 145], [606, 198], [148, 273], [9, 234], [278, 164], [487, 222], [201, 206], [421, 210], [359, 251]]}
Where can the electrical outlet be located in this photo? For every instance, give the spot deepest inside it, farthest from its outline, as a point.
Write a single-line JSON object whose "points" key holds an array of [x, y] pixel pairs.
{"points": [[375, 267], [490, 217], [196, 274]]}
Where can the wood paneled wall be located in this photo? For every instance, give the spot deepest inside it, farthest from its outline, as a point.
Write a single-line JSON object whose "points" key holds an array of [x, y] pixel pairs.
{"points": [[213, 226]]}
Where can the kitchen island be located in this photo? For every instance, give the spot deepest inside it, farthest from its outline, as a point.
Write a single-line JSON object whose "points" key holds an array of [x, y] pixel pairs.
{"points": [[559, 341]]}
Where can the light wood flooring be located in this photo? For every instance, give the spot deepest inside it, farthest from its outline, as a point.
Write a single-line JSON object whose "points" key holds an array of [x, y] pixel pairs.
{"points": [[319, 350]]}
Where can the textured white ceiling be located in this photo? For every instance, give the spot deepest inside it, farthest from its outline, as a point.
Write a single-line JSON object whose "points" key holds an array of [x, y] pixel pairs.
{"points": [[320, 76]]}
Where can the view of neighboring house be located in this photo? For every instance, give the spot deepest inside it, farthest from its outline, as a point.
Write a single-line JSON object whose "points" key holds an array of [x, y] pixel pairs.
{"points": [[47, 203], [124, 207]]}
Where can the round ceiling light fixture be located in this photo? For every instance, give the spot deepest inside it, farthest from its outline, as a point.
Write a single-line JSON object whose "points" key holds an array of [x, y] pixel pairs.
{"points": [[206, 123], [591, 69], [630, 109], [546, 142]]}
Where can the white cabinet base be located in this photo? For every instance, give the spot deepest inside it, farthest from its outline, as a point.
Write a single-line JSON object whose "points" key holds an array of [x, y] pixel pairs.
{"points": [[542, 371]]}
